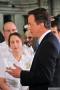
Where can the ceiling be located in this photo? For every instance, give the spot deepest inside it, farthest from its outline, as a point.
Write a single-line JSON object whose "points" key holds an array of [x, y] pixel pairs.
{"points": [[18, 2], [17, 5], [23, 1]]}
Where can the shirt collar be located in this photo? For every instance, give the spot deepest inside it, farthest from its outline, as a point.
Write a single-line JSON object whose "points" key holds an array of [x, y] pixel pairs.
{"points": [[41, 38]]}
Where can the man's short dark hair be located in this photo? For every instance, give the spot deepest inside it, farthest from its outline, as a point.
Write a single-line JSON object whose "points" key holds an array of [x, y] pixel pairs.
{"points": [[57, 21], [41, 15]]}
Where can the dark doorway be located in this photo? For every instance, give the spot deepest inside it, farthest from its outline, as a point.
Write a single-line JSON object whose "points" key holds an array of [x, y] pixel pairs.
{"points": [[7, 18]]}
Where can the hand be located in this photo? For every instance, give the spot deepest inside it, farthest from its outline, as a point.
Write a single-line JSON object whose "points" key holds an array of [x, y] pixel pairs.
{"points": [[3, 84], [2, 80], [14, 72]]}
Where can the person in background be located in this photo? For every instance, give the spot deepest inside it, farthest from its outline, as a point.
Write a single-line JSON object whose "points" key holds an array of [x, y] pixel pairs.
{"points": [[19, 58], [28, 43], [1, 37], [8, 27], [41, 74], [55, 27], [28, 38]]}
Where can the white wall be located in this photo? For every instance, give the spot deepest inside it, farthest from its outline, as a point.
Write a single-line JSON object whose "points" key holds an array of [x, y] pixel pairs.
{"points": [[19, 20], [1, 22], [56, 7]]}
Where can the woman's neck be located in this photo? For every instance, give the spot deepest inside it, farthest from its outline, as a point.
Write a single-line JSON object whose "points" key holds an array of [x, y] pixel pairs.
{"points": [[17, 56]]}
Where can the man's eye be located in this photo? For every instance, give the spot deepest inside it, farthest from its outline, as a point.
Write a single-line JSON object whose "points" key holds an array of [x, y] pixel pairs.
{"points": [[12, 42], [7, 31]]}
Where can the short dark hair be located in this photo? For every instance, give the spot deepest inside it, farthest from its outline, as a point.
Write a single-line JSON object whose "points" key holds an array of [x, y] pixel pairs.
{"points": [[57, 21], [53, 23], [14, 34], [41, 15]]}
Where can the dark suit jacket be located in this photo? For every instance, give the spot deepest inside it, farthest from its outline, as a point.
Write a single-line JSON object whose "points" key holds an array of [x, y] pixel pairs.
{"points": [[41, 74], [1, 37], [56, 79]]}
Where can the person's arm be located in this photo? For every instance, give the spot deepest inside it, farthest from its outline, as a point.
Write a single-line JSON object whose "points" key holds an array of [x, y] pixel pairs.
{"points": [[3, 84]]}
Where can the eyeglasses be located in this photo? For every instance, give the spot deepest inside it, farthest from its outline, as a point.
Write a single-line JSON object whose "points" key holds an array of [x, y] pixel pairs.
{"points": [[10, 30], [6, 31]]}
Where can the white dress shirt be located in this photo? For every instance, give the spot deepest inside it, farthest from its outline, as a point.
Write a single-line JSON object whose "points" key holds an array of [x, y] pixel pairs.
{"points": [[41, 38]]}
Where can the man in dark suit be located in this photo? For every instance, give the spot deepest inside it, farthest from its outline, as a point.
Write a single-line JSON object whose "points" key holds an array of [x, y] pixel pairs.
{"points": [[56, 30], [41, 74]]}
